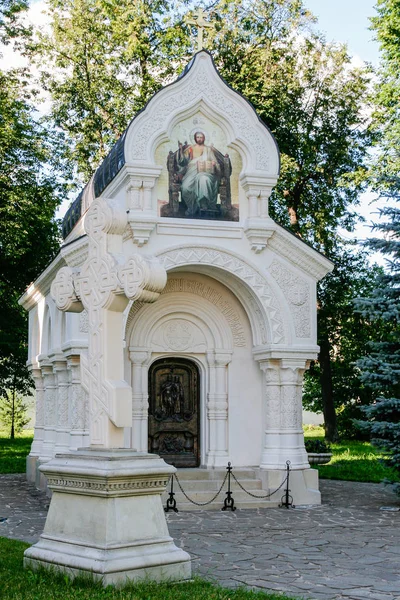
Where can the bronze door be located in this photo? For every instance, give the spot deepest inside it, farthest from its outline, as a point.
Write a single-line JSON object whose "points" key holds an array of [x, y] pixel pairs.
{"points": [[174, 407]]}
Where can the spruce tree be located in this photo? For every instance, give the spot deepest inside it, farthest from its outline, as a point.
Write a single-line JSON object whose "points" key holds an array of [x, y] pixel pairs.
{"points": [[381, 366]]}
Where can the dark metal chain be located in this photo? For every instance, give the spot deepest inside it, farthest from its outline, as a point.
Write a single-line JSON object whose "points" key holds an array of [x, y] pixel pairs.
{"points": [[194, 501], [256, 495]]}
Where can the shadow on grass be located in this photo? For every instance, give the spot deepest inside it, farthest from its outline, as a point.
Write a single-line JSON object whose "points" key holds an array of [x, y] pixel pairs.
{"points": [[13, 453], [17, 583]]}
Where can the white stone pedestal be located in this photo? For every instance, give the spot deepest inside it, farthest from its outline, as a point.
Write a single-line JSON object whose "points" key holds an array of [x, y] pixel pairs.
{"points": [[106, 518]]}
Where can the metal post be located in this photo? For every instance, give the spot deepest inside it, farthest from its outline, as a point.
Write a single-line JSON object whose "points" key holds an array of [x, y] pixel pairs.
{"points": [[229, 502], [171, 502], [287, 499]]}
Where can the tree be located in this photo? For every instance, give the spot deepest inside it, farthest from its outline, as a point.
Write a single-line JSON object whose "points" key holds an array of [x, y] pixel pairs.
{"points": [[102, 63], [13, 410], [333, 384], [381, 366], [30, 191]]}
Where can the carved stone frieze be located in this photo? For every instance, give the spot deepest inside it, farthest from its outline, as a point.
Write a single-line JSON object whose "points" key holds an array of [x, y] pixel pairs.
{"points": [[297, 293], [242, 270], [207, 292]]}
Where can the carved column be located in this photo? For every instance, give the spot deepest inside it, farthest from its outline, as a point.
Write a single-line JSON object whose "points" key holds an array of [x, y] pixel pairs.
{"points": [[78, 435], [140, 404], [265, 194], [133, 192], [36, 448], [283, 433], [252, 195], [61, 383], [217, 408], [148, 185], [50, 411]]}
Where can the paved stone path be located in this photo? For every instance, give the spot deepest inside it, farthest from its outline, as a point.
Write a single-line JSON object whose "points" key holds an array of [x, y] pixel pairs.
{"points": [[346, 549]]}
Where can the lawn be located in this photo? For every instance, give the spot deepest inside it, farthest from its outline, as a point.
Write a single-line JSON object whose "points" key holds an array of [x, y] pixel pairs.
{"points": [[13, 453], [352, 460], [19, 584]]}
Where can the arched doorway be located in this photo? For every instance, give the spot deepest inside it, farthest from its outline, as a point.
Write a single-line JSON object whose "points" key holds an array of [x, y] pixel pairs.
{"points": [[174, 411]]}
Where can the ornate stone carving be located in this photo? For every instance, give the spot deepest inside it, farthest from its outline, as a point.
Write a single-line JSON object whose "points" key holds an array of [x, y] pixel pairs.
{"points": [[204, 291], [178, 334], [233, 264], [103, 286], [208, 89], [297, 293], [84, 322], [299, 254]]}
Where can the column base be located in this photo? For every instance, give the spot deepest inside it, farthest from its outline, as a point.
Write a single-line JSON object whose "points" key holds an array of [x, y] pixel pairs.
{"points": [[303, 485], [106, 519]]}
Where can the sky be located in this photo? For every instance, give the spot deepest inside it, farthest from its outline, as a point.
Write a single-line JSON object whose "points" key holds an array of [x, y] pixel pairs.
{"points": [[348, 21]]}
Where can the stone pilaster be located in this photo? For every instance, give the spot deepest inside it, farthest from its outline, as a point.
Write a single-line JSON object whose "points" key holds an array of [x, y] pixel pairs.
{"points": [[79, 434], [38, 439], [140, 404], [217, 409], [61, 382], [283, 433], [50, 411]]}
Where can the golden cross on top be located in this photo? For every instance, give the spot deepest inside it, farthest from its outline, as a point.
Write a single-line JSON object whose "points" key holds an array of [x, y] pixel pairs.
{"points": [[199, 21]]}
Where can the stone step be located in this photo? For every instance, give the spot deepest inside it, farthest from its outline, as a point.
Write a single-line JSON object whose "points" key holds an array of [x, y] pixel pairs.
{"points": [[218, 504], [214, 474], [204, 496], [207, 485]]}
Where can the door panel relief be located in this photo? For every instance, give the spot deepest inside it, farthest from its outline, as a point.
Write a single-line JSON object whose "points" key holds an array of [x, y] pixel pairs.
{"points": [[174, 398]]}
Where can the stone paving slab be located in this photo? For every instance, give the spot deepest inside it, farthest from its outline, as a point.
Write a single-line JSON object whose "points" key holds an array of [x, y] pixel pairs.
{"points": [[345, 549]]}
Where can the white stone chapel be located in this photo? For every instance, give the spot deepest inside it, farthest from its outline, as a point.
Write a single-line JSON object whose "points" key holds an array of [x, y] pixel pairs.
{"points": [[178, 318]]}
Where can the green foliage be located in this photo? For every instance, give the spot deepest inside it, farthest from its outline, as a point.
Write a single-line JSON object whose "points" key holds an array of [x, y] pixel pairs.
{"points": [[101, 63], [13, 411], [29, 194], [13, 452], [343, 335], [381, 366], [318, 446], [17, 583], [309, 95], [355, 461]]}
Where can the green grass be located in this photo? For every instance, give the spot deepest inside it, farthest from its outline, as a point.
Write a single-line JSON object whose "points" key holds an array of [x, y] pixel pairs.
{"points": [[352, 460], [17, 583], [13, 453]]}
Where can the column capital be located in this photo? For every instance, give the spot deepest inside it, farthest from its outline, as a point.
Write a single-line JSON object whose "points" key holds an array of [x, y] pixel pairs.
{"points": [[138, 357], [218, 359]]}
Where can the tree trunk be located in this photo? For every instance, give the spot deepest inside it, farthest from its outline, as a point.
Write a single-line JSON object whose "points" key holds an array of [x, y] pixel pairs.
{"points": [[331, 432], [12, 434]]}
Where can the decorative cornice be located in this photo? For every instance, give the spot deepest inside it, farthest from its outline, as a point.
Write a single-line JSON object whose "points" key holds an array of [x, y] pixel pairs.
{"points": [[298, 253], [102, 486]]}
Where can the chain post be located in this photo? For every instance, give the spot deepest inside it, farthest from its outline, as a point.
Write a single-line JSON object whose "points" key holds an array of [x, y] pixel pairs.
{"points": [[171, 502], [229, 503], [287, 498]]}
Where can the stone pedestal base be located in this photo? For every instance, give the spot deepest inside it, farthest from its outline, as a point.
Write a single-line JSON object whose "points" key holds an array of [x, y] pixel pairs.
{"points": [[303, 485], [106, 518]]}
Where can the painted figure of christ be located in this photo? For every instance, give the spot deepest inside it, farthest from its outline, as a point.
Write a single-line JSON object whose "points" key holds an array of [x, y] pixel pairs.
{"points": [[200, 172]]}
